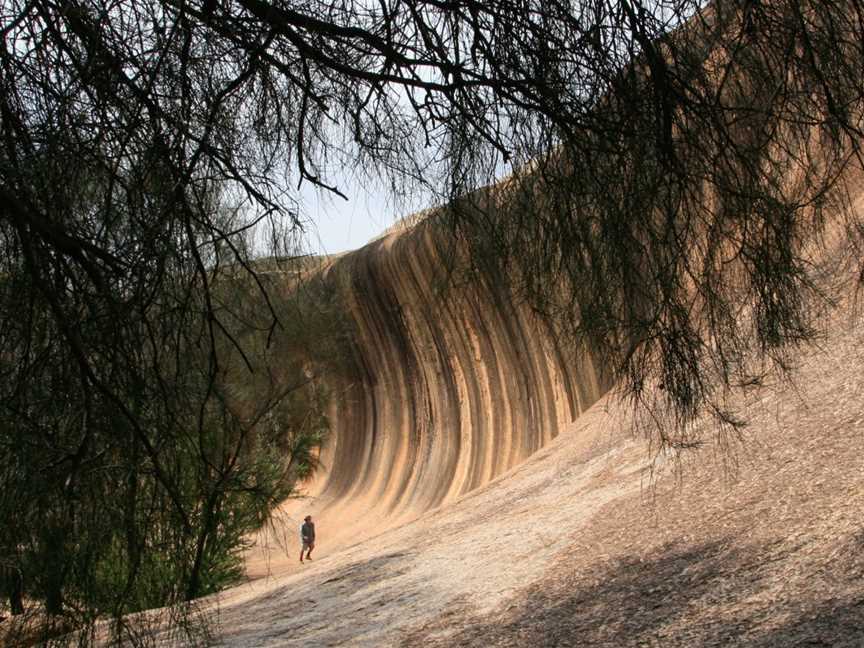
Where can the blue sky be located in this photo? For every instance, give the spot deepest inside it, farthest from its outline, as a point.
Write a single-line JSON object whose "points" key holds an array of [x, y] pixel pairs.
{"points": [[338, 225]]}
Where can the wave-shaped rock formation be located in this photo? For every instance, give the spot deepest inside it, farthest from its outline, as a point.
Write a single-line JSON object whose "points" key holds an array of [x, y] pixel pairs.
{"points": [[449, 382]]}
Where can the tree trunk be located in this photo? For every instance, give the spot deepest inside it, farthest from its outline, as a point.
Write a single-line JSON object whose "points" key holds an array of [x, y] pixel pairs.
{"points": [[16, 593]]}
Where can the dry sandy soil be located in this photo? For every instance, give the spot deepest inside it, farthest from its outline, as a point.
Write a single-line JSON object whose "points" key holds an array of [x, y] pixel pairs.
{"points": [[595, 541]]}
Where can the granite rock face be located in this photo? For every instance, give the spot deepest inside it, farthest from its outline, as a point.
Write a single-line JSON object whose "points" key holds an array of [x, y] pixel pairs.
{"points": [[451, 380]]}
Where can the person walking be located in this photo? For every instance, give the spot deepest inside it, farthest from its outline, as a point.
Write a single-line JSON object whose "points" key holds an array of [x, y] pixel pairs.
{"points": [[307, 537]]}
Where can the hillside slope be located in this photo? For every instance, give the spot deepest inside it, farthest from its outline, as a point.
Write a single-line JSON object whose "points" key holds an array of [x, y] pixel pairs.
{"points": [[443, 390], [593, 541]]}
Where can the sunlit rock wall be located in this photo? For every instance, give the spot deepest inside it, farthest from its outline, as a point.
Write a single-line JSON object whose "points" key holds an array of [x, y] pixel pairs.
{"points": [[450, 383]]}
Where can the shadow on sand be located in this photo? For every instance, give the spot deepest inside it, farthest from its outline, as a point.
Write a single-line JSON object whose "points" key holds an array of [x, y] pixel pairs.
{"points": [[716, 594]]}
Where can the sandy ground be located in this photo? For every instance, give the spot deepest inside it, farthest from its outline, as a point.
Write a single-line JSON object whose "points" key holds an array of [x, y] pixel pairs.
{"points": [[595, 541]]}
